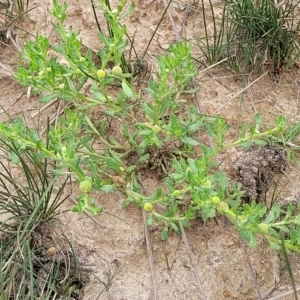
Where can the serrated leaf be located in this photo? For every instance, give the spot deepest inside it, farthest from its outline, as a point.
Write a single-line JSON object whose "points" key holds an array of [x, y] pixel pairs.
{"points": [[189, 141], [221, 178], [130, 168], [289, 211], [97, 96], [281, 121], [176, 176], [108, 188], [207, 213], [129, 10], [71, 85], [273, 214], [113, 164], [190, 214], [193, 165], [144, 158], [149, 110], [194, 127], [114, 141]]}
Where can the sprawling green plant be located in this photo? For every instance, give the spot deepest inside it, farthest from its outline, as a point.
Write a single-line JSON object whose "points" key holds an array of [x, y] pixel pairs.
{"points": [[157, 128]]}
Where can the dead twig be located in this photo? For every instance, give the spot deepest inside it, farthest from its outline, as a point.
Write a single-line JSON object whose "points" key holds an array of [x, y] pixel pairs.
{"points": [[150, 257], [240, 92], [252, 271], [149, 248], [285, 294], [176, 32], [192, 261]]}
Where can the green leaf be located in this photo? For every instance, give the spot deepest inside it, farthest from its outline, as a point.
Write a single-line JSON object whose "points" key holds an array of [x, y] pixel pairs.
{"points": [[110, 112], [157, 194], [89, 122], [207, 213], [260, 143], [190, 214], [59, 173], [149, 220], [144, 158], [77, 209], [258, 120], [244, 130], [274, 246], [273, 214], [149, 110], [129, 10], [191, 91], [146, 132], [283, 228], [221, 178], [175, 227], [289, 211], [71, 85], [98, 96], [252, 240], [108, 188], [273, 233], [194, 127], [130, 168], [114, 141], [165, 233], [113, 164], [14, 158], [127, 90], [126, 203], [189, 141], [49, 97], [281, 121], [246, 145]]}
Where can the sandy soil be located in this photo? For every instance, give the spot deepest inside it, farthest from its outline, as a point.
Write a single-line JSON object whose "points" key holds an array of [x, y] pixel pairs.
{"points": [[117, 248]]}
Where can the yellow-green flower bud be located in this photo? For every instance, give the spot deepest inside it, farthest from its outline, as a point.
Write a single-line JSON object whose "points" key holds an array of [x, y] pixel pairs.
{"points": [[85, 186], [100, 73], [117, 71], [148, 206]]}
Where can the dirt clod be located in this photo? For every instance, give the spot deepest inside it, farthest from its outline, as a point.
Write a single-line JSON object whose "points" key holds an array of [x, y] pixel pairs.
{"points": [[256, 169]]}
